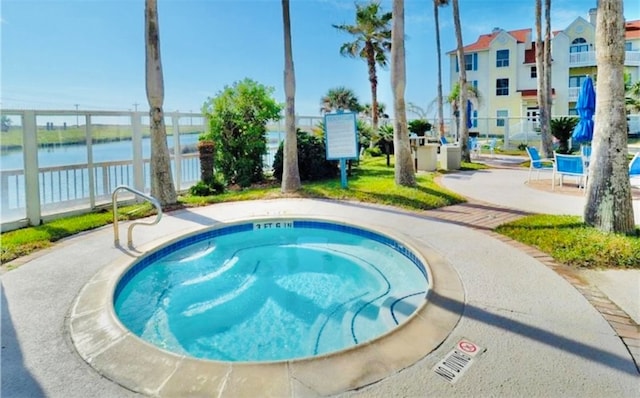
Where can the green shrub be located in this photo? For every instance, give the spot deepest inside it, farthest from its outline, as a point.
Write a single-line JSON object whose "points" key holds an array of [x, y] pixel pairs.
{"points": [[522, 146], [312, 159], [215, 186], [373, 152], [238, 118], [419, 127], [562, 129]]}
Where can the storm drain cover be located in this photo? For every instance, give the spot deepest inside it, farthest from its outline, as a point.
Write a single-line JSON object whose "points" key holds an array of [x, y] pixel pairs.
{"points": [[458, 360]]}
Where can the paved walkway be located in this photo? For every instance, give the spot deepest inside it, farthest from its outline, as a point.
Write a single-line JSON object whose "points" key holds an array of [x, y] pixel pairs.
{"points": [[614, 293], [544, 335]]}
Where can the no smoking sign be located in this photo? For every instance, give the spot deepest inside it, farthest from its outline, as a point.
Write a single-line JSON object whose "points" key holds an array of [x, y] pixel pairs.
{"points": [[469, 348]]}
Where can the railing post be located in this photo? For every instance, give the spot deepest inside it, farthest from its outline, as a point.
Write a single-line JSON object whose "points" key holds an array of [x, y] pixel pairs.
{"points": [[31, 174], [136, 140], [177, 151], [91, 176]]}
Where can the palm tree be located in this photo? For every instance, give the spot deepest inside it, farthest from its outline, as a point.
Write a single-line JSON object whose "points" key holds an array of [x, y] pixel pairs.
{"points": [[385, 137], [632, 91], [462, 96], [339, 98], [562, 129], [372, 43], [543, 66], [367, 109], [162, 187], [290, 171], [436, 5], [473, 95], [404, 167], [609, 206]]}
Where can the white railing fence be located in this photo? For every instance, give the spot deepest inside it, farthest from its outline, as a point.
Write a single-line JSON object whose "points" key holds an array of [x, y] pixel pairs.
{"points": [[61, 162], [55, 163]]}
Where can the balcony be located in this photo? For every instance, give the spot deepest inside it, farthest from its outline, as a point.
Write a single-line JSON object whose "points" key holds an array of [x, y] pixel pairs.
{"points": [[588, 58]]}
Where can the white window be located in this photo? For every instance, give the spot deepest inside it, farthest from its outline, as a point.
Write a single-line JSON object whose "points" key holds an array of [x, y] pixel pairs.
{"points": [[502, 58], [576, 81], [502, 86], [579, 45], [501, 116]]}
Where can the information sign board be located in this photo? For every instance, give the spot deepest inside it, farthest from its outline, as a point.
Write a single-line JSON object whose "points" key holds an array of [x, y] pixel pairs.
{"points": [[341, 135]]}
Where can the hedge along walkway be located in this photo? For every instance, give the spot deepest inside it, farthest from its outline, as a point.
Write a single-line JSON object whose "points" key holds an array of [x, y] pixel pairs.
{"points": [[486, 217]]}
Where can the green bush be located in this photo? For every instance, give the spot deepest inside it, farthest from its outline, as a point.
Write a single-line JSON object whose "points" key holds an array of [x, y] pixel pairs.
{"points": [[562, 129], [312, 159], [238, 118], [214, 187], [373, 152], [419, 127]]}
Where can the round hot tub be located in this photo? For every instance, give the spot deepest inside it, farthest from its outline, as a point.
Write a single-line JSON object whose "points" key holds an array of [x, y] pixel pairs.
{"points": [[266, 306], [271, 290]]}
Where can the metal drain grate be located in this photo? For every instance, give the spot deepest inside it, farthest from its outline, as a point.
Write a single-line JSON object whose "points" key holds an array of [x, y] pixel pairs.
{"points": [[458, 361]]}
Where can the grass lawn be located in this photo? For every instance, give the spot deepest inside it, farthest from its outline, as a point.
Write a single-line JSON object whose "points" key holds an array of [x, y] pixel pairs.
{"points": [[565, 238]]}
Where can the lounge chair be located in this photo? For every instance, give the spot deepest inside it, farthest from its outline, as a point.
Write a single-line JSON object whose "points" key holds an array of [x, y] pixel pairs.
{"points": [[492, 145], [634, 166], [537, 163], [569, 165], [634, 169], [474, 147], [443, 141]]}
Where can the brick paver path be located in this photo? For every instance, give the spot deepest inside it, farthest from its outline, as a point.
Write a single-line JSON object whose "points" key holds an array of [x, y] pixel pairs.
{"points": [[486, 217]]}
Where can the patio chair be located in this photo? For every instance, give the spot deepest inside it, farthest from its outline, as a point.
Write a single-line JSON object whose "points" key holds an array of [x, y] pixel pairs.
{"points": [[634, 166], [474, 147], [634, 169], [492, 145], [537, 163], [569, 165]]}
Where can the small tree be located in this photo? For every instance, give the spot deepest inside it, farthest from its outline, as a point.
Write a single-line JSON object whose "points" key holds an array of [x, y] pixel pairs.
{"points": [[562, 129], [5, 123], [385, 137], [419, 127], [238, 118]]}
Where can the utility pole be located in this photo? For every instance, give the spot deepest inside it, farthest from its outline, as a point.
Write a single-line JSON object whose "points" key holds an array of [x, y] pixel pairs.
{"points": [[135, 106], [77, 123]]}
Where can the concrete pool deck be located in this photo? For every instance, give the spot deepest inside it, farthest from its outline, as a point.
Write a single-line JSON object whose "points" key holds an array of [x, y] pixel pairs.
{"points": [[542, 335]]}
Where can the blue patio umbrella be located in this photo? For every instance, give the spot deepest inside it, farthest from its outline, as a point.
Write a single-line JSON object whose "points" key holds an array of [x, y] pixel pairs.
{"points": [[586, 107], [469, 107]]}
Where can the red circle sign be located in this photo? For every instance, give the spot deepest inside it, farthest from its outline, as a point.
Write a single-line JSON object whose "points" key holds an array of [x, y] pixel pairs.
{"points": [[467, 346]]}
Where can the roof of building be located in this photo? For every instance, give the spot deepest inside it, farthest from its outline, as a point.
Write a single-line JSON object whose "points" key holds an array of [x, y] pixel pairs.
{"points": [[632, 31], [484, 41]]}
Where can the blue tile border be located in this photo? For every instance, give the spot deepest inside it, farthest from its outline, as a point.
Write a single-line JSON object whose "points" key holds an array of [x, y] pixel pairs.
{"points": [[162, 252]]}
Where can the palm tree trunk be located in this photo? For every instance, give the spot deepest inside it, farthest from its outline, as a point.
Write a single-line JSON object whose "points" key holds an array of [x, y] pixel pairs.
{"points": [[290, 171], [541, 75], [462, 97], [162, 187], [609, 204], [373, 80], [404, 168], [438, 51], [545, 126]]}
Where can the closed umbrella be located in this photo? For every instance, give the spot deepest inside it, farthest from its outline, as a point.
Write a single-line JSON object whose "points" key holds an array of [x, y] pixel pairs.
{"points": [[469, 108], [586, 107]]}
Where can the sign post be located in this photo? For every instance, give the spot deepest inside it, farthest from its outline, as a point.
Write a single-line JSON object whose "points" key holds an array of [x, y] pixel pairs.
{"points": [[341, 140]]}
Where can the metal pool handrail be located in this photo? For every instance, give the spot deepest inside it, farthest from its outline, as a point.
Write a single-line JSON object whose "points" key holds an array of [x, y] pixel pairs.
{"points": [[114, 202]]}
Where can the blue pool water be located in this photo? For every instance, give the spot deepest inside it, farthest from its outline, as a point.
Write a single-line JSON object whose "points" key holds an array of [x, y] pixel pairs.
{"points": [[271, 290]]}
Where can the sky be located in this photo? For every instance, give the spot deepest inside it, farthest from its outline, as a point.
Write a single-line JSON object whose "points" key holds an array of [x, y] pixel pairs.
{"points": [[59, 54]]}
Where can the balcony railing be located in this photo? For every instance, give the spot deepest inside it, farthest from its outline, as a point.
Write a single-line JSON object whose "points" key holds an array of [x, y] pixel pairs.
{"points": [[588, 58]]}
